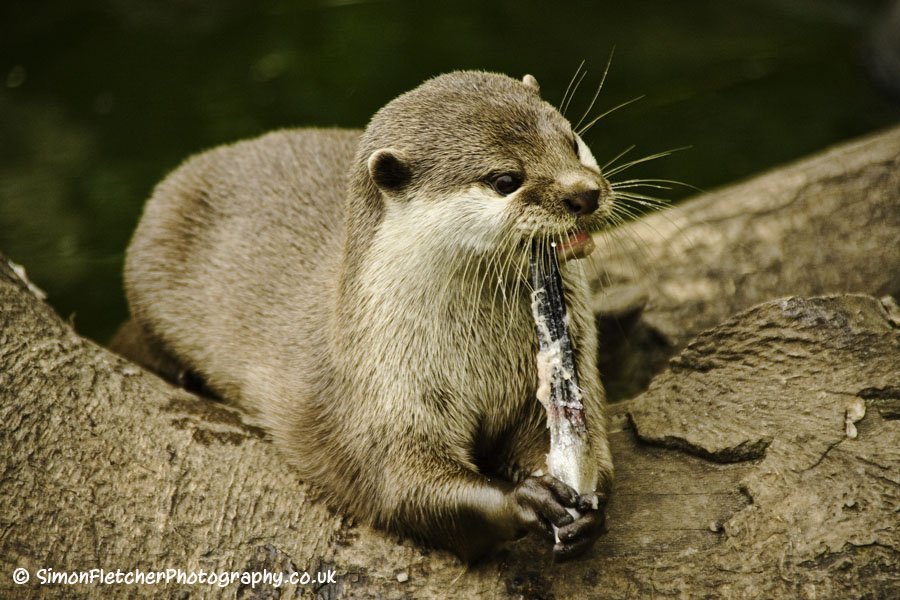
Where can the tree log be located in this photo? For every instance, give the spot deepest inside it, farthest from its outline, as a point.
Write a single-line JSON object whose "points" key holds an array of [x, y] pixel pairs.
{"points": [[765, 463], [827, 224]]}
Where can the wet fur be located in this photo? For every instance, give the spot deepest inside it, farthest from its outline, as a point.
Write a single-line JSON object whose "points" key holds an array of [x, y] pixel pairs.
{"points": [[383, 334]]}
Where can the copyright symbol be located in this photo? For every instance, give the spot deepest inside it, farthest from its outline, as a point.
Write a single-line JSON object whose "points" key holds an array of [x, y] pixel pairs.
{"points": [[21, 576]]}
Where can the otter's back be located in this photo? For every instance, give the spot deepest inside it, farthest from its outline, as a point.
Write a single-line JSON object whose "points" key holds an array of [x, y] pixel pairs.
{"points": [[254, 228]]}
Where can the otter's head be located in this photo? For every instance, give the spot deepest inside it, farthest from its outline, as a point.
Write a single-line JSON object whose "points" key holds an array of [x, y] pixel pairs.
{"points": [[481, 159]]}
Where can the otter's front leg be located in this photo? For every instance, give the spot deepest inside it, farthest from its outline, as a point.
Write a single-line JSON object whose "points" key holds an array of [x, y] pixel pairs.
{"points": [[576, 534], [450, 504]]}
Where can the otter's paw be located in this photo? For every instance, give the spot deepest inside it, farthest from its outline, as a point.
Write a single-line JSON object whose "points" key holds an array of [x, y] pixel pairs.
{"points": [[540, 502], [579, 535]]}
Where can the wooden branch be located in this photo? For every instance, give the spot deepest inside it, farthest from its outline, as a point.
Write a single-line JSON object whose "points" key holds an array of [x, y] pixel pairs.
{"points": [[737, 472], [827, 224]]}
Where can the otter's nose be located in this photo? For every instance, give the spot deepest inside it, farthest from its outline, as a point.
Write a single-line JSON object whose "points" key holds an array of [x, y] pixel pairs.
{"points": [[582, 203]]}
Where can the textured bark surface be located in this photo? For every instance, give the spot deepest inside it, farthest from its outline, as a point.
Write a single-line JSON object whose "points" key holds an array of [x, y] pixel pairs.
{"points": [[737, 472], [827, 224], [105, 465]]}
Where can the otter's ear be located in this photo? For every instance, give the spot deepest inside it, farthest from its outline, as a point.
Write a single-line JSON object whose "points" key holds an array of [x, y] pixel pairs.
{"points": [[389, 169], [531, 82]]}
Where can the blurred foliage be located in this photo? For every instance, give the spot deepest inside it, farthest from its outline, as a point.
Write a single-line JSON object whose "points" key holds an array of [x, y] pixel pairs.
{"points": [[100, 98]]}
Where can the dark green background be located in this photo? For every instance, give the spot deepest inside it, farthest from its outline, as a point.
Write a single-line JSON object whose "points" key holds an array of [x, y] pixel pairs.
{"points": [[100, 98]]}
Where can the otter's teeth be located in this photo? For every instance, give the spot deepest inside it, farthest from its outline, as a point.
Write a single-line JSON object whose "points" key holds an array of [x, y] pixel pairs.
{"points": [[578, 245]]}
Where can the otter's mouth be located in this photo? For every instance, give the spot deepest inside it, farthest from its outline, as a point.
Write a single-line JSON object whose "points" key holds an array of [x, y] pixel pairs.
{"points": [[578, 244]]}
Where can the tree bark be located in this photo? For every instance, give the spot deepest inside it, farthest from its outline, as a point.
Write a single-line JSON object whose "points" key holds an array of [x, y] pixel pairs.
{"points": [[737, 471], [827, 224]]}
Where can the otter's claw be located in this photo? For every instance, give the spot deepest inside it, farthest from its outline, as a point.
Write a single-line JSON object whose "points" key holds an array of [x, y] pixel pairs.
{"points": [[578, 536], [542, 501]]}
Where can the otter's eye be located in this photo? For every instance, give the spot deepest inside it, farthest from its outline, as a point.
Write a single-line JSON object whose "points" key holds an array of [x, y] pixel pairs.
{"points": [[575, 146], [505, 183]]}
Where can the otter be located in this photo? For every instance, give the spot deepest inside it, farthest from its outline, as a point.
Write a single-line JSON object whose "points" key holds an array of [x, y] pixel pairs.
{"points": [[365, 296]]}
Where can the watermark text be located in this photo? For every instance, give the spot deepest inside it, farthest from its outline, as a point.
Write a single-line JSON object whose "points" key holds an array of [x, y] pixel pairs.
{"points": [[253, 579]]}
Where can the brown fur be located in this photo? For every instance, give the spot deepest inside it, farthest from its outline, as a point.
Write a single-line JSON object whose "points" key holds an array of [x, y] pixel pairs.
{"points": [[381, 331]]}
